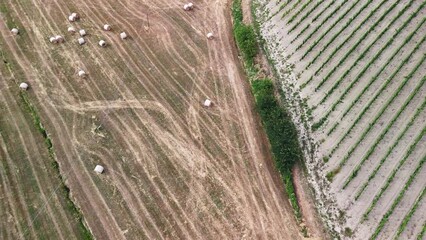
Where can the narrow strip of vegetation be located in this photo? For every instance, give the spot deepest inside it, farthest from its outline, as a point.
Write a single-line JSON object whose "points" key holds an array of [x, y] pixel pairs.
{"points": [[374, 78], [394, 171], [395, 93], [367, 66], [348, 53], [282, 133], [315, 43], [377, 117], [408, 216], [370, 151], [397, 200], [385, 157], [305, 16], [422, 232], [319, 26]]}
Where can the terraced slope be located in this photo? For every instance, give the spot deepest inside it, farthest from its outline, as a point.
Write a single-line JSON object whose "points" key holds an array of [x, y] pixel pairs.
{"points": [[360, 66], [173, 169]]}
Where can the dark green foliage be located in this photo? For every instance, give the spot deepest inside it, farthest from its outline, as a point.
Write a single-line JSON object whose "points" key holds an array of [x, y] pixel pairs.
{"points": [[245, 35], [278, 125], [246, 40]]}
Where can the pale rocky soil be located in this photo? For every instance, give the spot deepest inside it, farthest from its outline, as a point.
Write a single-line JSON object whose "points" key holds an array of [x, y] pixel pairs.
{"points": [[294, 72]]}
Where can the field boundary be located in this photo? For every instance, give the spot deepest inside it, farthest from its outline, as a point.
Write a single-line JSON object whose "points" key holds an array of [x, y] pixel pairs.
{"points": [[270, 98]]}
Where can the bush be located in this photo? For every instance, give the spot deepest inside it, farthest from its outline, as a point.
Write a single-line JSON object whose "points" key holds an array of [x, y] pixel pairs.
{"points": [[278, 125], [246, 40]]}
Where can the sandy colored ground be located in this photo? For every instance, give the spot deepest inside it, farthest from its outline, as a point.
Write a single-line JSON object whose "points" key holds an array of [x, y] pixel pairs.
{"points": [[174, 169]]}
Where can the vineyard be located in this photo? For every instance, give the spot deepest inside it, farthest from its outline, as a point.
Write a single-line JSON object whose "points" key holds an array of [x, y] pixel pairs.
{"points": [[354, 74]]}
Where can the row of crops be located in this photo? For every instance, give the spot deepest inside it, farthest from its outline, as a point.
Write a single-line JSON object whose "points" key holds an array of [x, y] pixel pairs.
{"points": [[360, 65]]}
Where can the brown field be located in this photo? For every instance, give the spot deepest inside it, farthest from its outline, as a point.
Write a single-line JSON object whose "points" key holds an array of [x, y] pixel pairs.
{"points": [[173, 168]]}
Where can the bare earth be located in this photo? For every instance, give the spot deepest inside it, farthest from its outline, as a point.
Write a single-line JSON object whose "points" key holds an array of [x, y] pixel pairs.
{"points": [[174, 169]]}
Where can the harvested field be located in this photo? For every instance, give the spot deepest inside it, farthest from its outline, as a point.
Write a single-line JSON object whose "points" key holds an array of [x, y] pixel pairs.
{"points": [[173, 168], [355, 72]]}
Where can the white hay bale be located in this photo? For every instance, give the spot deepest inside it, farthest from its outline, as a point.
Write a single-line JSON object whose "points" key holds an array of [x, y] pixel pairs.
{"points": [[14, 31], [190, 5], [81, 73], [207, 103], [23, 86], [102, 43], [210, 35], [186, 7], [71, 18], [75, 15], [82, 32], [123, 35], [99, 169], [52, 40], [107, 27], [59, 39], [81, 41], [71, 30]]}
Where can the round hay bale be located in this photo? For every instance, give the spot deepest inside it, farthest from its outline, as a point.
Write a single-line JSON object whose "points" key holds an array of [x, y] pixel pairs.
{"points": [[102, 43], [82, 32], [123, 35], [71, 30], [107, 27], [23, 86], [14, 31], [81, 41], [52, 40], [75, 15], [59, 39], [210, 35], [81, 73], [71, 18]]}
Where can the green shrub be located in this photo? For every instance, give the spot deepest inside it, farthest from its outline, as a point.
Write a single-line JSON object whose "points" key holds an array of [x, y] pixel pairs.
{"points": [[246, 40], [278, 125]]}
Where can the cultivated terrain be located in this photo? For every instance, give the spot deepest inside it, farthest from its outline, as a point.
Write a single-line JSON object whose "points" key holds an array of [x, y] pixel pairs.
{"points": [[355, 72], [173, 168]]}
